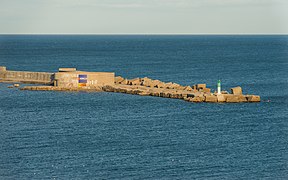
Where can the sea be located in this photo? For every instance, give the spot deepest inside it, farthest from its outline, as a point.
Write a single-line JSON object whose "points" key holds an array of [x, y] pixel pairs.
{"points": [[101, 135]]}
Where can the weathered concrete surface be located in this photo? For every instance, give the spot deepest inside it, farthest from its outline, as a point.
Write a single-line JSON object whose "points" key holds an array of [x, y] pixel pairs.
{"points": [[55, 88], [93, 79], [197, 99], [200, 86], [26, 77], [168, 92], [221, 98], [242, 98], [198, 93], [253, 98], [211, 98], [232, 99], [236, 90]]}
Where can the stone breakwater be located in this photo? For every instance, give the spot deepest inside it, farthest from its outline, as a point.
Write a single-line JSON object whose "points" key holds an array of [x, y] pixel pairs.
{"points": [[148, 87], [197, 93], [70, 79]]}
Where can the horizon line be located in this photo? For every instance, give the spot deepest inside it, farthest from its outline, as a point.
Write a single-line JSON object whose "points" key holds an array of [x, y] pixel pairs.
{"points": [[144, 34]]}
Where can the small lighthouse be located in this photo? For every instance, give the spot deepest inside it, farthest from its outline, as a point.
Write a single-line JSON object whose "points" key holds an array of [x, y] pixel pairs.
{"points": [[219, 87]]}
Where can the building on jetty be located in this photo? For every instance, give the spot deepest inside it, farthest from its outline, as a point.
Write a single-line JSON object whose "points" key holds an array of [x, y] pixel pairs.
{"points": [[70, 79]]}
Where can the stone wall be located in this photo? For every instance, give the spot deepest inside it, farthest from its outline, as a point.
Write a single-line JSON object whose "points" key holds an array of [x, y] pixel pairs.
{"points": [[27, 77]]}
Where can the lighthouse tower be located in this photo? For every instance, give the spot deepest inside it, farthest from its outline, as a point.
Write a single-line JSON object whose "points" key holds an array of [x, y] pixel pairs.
{"points": [[219, 87]]}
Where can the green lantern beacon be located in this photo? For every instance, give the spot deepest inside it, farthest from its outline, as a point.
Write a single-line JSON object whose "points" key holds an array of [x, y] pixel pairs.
{"points": [[219, 87]]}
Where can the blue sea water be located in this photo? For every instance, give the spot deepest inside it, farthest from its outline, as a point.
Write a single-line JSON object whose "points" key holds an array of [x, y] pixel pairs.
{"points": [[65, 135]]}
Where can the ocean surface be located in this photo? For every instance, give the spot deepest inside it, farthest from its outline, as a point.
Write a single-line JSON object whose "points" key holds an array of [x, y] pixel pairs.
{"points": [[68, 135]]}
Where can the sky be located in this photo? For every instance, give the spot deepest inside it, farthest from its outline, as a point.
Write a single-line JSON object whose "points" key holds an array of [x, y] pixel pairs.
{"points": [[143, 16]]}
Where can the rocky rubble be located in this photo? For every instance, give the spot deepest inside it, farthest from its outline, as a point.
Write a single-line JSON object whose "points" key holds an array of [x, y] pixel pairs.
{"points": [[197, 93]]}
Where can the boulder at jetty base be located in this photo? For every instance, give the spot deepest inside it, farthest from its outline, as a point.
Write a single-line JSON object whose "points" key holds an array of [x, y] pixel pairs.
{"points": [[253, 98], [196, 99], [236, 90], [108, 88], [144, 93], [155, 94], [200, 86], [118, 79], [187, 98]]}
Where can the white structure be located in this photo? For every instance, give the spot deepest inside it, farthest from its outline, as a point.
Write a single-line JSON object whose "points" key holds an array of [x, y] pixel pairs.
{"points": [[219, 87]]}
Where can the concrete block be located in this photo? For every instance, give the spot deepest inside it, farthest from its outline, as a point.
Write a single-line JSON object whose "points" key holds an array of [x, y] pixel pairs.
{"points": [[125, 82], [196, 99], [253, 98], [147, 82], [200, 86], [159, 84], [119, 79], [242, 98], [232, 99], [155, 94], [188, 88], [236, 90], [211, 99], [144, 93], [136, 81], [187, 98], [206, 90], [181, 88], [221, 98], [169, 85]]}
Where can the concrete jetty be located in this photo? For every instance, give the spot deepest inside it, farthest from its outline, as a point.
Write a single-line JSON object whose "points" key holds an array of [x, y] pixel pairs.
{"points": [[69, 79]]}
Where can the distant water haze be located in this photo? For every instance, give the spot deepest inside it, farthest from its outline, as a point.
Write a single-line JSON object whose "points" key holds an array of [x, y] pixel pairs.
{"points": [[144, 16]]}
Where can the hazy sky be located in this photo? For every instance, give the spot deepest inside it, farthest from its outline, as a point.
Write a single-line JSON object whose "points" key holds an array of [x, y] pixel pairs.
{"points": [[144, 16]]}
